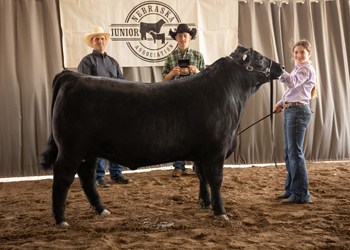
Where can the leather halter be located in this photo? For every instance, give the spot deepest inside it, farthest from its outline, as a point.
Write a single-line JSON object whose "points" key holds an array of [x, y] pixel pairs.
{"points": [[249, 68], [266, 72]]}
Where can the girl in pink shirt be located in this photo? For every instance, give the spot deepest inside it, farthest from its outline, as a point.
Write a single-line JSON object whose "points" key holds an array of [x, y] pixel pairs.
{"points": [[301, 87]]}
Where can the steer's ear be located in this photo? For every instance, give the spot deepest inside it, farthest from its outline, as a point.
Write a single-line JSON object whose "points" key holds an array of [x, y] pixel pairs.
{"points": [[246, 57], [240, 49], [240, 58], [241, 55]]}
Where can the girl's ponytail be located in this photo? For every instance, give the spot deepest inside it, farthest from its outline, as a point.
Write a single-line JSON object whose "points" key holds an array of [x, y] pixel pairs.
{"points": [[314, 89]]}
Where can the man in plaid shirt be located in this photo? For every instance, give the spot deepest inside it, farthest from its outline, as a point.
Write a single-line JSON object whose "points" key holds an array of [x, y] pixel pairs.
{"points": [[172, 70]]}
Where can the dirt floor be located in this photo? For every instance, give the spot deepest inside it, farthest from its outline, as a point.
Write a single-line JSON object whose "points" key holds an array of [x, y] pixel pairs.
{"points": [[157, 211]]}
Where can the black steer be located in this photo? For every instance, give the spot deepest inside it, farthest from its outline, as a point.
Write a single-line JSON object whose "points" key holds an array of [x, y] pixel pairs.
{"points": [[136, 124]]}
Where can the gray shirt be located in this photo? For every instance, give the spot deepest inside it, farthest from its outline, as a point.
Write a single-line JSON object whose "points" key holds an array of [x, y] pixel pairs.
{"points": [[97, 64]]}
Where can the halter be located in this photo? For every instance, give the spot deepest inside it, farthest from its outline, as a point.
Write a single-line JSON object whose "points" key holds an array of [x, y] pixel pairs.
{"points": [[266, 72]]}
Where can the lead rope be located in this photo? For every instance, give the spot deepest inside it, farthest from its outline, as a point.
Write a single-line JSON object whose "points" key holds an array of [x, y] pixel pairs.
{"points": [[271, 121], [256, 122]]}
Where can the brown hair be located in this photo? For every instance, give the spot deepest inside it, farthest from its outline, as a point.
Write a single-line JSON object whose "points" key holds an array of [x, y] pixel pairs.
{"points": [[306, 44]]}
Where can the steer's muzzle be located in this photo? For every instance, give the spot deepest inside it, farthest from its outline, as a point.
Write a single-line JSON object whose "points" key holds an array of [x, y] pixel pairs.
{"points": [[276, 70]]}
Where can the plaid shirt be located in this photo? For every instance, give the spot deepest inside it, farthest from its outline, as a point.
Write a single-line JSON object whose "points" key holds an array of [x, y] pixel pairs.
{"points": [[195, 57]]}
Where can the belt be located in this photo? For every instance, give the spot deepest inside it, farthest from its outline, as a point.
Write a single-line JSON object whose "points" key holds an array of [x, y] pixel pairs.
{"points": [[290, 104]]}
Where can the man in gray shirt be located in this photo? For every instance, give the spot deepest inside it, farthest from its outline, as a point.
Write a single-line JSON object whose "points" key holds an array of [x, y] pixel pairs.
{"points": [[98, 63]]}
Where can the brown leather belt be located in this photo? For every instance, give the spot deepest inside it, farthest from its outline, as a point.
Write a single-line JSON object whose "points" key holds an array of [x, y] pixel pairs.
{"points": [[290, 104]]}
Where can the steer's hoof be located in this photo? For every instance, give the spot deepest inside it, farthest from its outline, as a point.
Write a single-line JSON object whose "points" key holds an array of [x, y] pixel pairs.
{"points": [[62, 224], [221, 217], [105, 213], [202, 203], [209, 207]]}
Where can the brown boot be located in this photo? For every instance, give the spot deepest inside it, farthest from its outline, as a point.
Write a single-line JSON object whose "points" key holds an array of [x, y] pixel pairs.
{"points": [[177, 173]]}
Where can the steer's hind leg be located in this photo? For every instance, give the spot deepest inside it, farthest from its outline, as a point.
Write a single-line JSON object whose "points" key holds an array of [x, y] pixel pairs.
{"points": [[63, 176], [204, 196], [213, 172], [87, 175]]}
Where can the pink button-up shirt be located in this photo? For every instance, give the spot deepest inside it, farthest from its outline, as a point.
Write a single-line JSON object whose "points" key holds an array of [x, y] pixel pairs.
{"points": [[299, 83]]}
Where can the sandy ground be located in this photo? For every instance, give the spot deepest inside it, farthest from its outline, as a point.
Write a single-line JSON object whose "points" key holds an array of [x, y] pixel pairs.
{"points": [[157, 211]]}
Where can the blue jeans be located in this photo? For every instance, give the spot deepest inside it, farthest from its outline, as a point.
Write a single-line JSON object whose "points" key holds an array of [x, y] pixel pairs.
{"points": [[296, 120], [115, 170], [179, 165]]}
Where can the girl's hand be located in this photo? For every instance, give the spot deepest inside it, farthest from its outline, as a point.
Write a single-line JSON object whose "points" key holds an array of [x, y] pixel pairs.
{"points": [[277, 108]]}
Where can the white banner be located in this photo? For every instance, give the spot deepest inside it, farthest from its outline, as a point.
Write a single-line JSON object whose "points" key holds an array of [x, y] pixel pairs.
{"points": [[140, 29]]}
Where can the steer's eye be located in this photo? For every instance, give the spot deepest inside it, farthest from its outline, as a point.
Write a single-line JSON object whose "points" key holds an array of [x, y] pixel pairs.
{"points": [[259, 60]]}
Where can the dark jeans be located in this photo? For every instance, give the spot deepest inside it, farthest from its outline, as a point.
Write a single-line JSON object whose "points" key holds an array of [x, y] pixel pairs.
{"points": [[296, 120], [179, 165], [115, 170]]}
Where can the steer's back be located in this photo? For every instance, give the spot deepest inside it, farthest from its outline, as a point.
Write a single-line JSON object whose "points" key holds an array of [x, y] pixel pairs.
{"points": [[136, 123]]}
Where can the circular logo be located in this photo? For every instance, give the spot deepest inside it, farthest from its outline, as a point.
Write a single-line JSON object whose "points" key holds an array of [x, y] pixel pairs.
{"points": [[146, 31]]}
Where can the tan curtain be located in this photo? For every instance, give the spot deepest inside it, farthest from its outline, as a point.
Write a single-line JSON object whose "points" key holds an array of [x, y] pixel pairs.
{"points": [[272, 29], [30, 57]]}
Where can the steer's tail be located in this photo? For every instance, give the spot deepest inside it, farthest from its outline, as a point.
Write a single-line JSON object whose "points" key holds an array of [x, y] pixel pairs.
{"points": [[49, 156]]}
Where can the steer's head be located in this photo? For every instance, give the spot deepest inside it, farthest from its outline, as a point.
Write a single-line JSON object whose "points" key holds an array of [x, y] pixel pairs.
{"points": [[254, 61]]}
